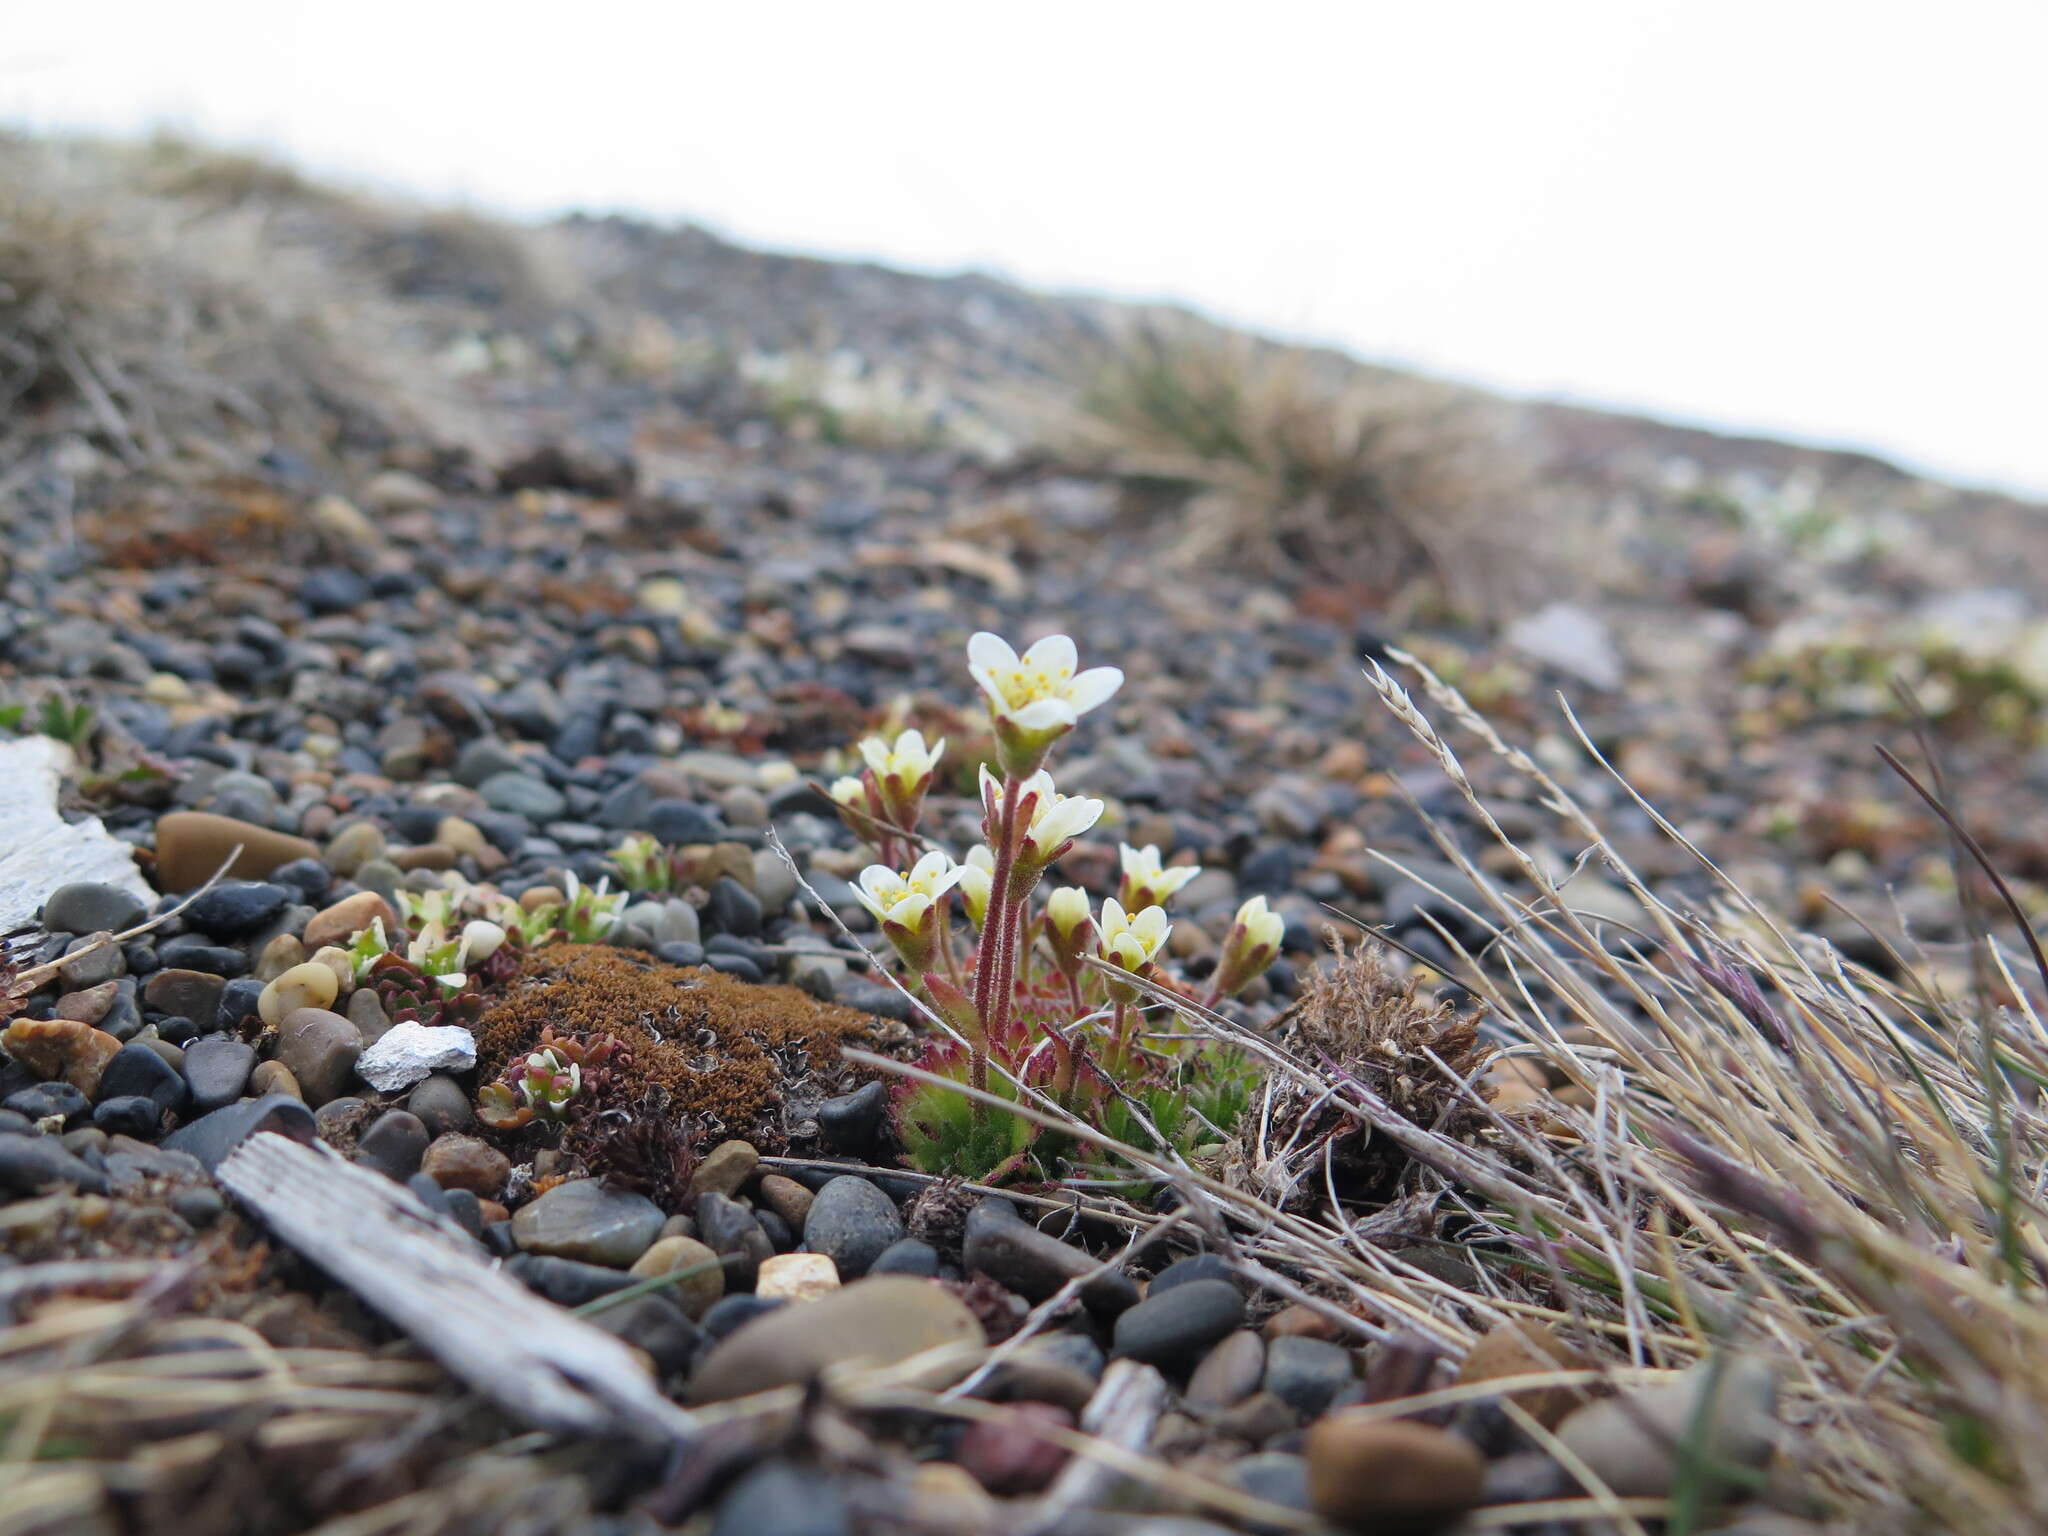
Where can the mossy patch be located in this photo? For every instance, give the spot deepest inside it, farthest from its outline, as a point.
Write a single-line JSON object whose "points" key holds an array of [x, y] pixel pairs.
{"points": [[733, 1058]]}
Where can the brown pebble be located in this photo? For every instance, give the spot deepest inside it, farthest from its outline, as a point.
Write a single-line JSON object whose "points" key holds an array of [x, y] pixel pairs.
{"points": [[725, 1168], [1297, 1321], [1527, 1348], [191, 844], [273, 1077], [1390, 1476], [434, 856], [346, 918], [493, 1212], [90, 1005], [787, 1199], [455, 1161], [65, 1048], [1229, 1373]]}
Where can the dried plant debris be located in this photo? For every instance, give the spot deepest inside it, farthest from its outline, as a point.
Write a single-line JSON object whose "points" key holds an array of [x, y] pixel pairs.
{"points": [[1364, 1025]]}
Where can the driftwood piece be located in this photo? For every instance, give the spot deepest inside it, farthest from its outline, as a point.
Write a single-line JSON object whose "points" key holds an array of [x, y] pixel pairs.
{"points": [[539, 1362], [1122, 1412]]}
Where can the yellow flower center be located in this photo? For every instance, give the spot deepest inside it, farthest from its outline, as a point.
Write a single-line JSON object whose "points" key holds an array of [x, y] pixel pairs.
{"points": [[1030, 681]]}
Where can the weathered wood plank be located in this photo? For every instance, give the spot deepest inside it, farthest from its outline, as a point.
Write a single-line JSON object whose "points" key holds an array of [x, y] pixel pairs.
{"points": [[540, 1362]]}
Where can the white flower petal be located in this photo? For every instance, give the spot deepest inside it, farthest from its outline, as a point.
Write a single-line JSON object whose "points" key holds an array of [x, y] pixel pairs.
{"points": [[1043, 715], [910, 910], [1055, 655], [990, 653], [1094, 687], [876, 751], [986, 682]]}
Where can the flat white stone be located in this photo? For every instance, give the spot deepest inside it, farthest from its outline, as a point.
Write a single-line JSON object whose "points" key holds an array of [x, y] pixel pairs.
{"points": [[40, 850], [1570, 639], [410, 1051]]}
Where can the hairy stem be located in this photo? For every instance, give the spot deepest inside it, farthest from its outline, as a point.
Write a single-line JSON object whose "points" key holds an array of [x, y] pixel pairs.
{"points": [[991, 987]]}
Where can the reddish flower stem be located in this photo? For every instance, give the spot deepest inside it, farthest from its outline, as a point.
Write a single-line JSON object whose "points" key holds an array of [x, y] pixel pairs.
{"points": [[992, 965]]}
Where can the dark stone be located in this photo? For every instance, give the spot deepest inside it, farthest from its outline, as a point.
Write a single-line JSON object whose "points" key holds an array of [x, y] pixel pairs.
{"points": [[394, 1145], [212, 1137], [1306, 1373], [730, 1313], [907, 1256], [29, 1165], [732, 908], [234, 909], [123, 1018], [198, 1208], [1276, 1477], [1270, 870], [1200, 1266], [728, 1228], [735, 965], [441, 1104], [136, 1069], [656, 1324], [467, 1210], [779, 1498], [237, 1002], [853, 1223], [87, 906], [864, 996], [44, 1100], [569, 1282], [333, 589], [848, 1123], [780, 1238], [308, 879], [195, 952], [133, 1114], [680, 952], [176, 1029], [1174, 1330], [677, 822], [217, 1069], [1036, 1264]]}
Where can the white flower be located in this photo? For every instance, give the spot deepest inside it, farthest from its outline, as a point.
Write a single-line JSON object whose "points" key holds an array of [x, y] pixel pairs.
{"points": [[1050, 819], [1262, 927], [849, 790], [1067, 911], [1039, 693], [1146, 881], [976, 879], [1131, 940], [905, 898], [907, 764], [481, 939]]}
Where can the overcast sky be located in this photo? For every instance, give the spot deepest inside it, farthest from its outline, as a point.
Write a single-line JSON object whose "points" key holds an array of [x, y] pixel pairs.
{"points": [[1819, 219]]}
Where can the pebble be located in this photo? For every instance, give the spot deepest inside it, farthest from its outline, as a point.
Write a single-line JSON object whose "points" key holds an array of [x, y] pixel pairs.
{"points": [[455, 1161], [30, 1164], [1390, 1475], [353, 847], [213, 1136], [796, 1277], [89, 1006], [190, 846], [1527, 1348], [366, 1011], [884, 1319], [1198, 1266], [311, 985], [61, 1048], [1229, 1373], [90, 906], [92, 960], [849, 1122], [725, 1168], [787, 1199], [1175, 1329], [234, 909], [565, 1281], [137, 1069], [440, 1102], [585, 1220], [134, 1114], [1007, 1457], [779, 1498], [394, 1145], [341, 922], [48, 1101], [274, 1077], [1724, 1417], [695, 1294], [319, 1049], [1306, 1374], [732, 1232], [186, 993], [409, 1052], [1035, 1264], [852, 1222]]}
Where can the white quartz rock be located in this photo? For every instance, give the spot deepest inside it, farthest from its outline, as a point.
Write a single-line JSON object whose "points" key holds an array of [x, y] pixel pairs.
{"points": [[410, 1051]]}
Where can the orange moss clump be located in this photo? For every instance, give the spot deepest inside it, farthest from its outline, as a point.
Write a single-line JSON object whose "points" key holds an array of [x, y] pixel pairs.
{"points": [[733, 1058]]}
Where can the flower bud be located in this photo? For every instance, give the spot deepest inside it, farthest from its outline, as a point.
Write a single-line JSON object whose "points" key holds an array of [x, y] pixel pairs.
{"points": [[1146, 882], [1069, 928], [976, 883], [1250, 947]]}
